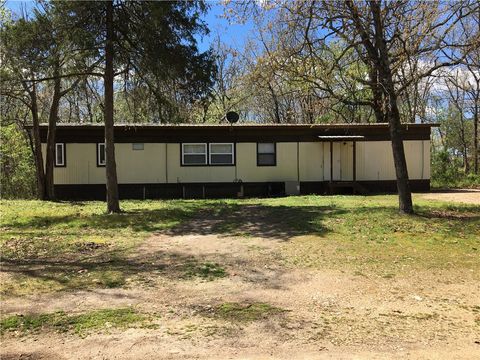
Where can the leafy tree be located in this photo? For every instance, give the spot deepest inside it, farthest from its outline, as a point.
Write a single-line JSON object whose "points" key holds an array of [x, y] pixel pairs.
{"points": [[17, 170], [39, 55], [22, 59], [17, 175], [155, 40], [386, 36]]}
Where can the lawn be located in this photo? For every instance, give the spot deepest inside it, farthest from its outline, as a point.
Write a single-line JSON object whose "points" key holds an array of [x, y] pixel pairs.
{"points": [[306, 268]]}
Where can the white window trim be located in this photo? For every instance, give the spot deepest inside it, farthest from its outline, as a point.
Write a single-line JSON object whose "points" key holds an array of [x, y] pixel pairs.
{"points": [[99, 163], [205, 154], [62, 145], [230, 153]]}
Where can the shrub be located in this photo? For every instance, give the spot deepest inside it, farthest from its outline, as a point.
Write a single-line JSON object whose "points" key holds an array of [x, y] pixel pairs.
{"points": [[447, 172]]}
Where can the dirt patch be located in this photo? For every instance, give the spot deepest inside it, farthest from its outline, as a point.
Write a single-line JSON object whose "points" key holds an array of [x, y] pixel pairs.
{"points": [[254, 304], [466, 196]]}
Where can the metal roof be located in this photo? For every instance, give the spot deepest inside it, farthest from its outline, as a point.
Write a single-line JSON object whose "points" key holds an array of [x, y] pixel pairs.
{"points": [[237, 125]]}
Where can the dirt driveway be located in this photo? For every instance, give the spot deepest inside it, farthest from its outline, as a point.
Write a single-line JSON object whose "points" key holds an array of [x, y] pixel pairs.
{"points": [[467, 196], [264, 304]]}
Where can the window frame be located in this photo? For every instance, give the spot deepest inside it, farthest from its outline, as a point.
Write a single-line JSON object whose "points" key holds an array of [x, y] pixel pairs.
{"points": [[64, 158], [182, 154], [222, 143], [274, 153], [98, 155]]}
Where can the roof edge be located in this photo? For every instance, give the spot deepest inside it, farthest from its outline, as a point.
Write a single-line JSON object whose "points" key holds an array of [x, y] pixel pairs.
{"points": [[241, 125]]}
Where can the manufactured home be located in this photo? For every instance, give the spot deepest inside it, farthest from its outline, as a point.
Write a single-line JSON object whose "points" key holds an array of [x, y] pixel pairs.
{"points": [[239, 160]]}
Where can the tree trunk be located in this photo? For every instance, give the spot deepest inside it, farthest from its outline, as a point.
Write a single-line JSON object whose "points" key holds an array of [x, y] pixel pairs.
{"points": [[378, 107], [466, 164], [463, 139], [475, 139], [37, 145], [403, 184], [113, 205], [52, 127], [386, 79], [475, 113], [278, 119], [396, 136]]}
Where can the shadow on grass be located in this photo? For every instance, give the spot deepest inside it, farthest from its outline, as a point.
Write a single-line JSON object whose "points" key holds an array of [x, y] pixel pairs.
{"points": [[31, 355], [92, 266], [452, 191], [107, 271], [449, 221], [269, 222], [34, 255], [203, 218], [100, 271], [137, 220]]}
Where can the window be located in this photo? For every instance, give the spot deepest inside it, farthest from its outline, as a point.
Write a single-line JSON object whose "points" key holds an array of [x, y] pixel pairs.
{"points": [[266, 154], [213, 154], [101, 157], [60, 155], [221, 154], [137, 146], [194, 154]]}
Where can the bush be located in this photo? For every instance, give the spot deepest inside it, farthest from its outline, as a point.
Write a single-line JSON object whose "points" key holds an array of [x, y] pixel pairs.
{"points": [[447, 172], [17, 168]]}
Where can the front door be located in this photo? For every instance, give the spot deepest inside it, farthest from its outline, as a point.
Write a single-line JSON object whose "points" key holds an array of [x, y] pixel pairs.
{"points": [[342, 161]]}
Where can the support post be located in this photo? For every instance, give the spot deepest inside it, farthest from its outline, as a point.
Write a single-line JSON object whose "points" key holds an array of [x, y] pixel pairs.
{"points": [[354, 161], [331, 161]]}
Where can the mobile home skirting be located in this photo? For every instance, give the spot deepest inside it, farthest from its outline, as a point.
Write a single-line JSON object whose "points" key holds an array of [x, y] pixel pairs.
{"points": [[79, 192], [216, 161]]}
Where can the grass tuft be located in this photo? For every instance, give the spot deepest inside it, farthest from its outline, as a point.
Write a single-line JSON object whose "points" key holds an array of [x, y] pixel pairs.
{"points": [[81, 324], [207, 271], [237, 312]]}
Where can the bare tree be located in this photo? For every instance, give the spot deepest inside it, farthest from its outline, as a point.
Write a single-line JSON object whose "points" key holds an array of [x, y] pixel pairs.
{"points": [[384, 36], [456, 85], [227, 94], [472, 88]]}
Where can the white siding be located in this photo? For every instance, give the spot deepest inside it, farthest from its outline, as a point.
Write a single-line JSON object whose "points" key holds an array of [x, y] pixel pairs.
{"points": [[285, 170], [375, 160], [160, 163], [346, 161], [140, 166], [311, 158]]}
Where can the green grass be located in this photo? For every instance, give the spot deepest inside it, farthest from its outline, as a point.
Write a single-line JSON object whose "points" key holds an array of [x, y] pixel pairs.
{"points": [[460, 181], [78, 245], [208, 271], [49, 247], [236, 312], [368, 234], [81, 324], [58, 228]]}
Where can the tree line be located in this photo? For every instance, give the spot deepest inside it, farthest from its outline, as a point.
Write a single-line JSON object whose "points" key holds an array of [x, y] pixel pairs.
{"points": [[308, 61], [62, 48]]}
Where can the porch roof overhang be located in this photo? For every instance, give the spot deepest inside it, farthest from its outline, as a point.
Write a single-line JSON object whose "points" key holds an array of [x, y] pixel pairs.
{"points": [[341, 137]]}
